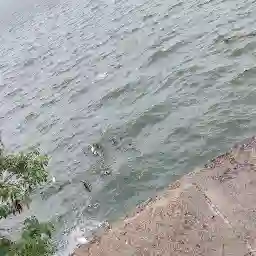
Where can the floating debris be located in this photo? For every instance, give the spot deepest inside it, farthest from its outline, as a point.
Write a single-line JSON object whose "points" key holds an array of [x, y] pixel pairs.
{"points": [[114, 141], [94, 206], [96, 149], [106, 173], [87, 185]]}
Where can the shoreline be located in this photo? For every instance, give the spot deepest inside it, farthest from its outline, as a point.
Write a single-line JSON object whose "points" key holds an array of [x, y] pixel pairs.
{"points": [[211, 211]]}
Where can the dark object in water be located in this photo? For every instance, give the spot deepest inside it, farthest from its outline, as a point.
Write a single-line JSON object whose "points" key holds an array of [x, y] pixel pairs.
{"points": [[17, 207], [239, 36], [226, 40], [106, 173], [97, 146], [114, 141], [87, 185]]}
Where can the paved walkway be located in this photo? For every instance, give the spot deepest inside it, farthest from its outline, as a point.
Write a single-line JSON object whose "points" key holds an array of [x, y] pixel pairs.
{"points": [[208, 212]]}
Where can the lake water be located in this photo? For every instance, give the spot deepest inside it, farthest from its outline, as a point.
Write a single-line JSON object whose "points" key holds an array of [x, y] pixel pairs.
{"points": [[162, 85]]}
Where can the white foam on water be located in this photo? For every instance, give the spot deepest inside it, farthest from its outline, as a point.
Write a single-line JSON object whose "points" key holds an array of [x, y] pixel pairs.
{"points": [[80, 235], [101, 76]]}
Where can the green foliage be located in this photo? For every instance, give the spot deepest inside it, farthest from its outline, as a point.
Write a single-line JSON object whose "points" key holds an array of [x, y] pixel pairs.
{"points": [[35, 240], [19, 174]]}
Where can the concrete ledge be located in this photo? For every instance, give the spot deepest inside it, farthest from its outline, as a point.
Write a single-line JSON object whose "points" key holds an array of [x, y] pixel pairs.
{"points": [[207, 212]]}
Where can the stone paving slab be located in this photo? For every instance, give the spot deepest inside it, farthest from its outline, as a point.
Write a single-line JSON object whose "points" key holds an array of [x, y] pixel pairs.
{"points": [[208, 212]]}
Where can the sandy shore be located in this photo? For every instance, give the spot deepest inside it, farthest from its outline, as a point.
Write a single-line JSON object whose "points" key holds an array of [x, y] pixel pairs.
{"points": [[207, 212]]}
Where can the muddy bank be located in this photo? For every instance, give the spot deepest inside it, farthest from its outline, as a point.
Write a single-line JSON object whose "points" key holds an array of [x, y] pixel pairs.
{"points": [[208, 212]]}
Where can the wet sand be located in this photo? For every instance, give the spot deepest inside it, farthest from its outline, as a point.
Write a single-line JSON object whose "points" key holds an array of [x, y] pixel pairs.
{"points": [[211, 211]]}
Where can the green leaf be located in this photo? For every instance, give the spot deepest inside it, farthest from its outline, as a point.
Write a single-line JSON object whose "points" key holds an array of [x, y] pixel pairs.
{"points": [[20, 173]]}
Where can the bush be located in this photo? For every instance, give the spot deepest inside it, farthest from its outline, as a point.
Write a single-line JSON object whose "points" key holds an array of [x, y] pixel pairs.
{"points": [[20, 174]]}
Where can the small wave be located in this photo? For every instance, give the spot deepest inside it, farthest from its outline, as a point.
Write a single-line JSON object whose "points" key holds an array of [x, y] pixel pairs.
{"points": [[244, 75], [250, 47], [133, 30], [152, 116], [115, 93], [63, 142], [77, 94], [65, 83], [13, 93], [50, 103], [147, 17], [230, 39], [175, 6], [163, 39], [201, 5], [54, 189], [29, 62], [31, 116], [46, 126], [164, 53], [16, 109]]}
